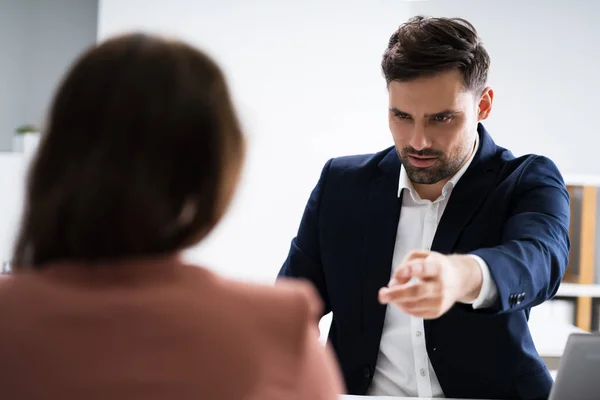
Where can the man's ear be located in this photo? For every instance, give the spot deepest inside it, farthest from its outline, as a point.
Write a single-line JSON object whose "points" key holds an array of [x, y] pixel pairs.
{"points": [[485, 104]]}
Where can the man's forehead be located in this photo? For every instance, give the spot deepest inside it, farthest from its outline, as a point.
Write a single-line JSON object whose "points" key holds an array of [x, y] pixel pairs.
{"points": [[426, 89], [429, 107], [431, 99]]}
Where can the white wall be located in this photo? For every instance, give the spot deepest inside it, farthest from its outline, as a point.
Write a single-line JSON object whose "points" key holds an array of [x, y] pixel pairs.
{"points": [[38, 40], [12, 173], [545, 72], [12, 60], [307, 81]]}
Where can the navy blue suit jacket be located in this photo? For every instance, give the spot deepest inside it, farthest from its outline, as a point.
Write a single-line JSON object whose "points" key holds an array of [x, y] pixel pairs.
{"points": [[512, 212]]}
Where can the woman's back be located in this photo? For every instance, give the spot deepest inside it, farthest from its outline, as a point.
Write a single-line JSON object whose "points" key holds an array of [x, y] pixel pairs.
{"points": [[139, 161], [158, 329]]}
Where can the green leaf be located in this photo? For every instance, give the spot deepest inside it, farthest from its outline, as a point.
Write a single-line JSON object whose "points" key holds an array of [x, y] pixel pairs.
{"points": [[28, 128]]}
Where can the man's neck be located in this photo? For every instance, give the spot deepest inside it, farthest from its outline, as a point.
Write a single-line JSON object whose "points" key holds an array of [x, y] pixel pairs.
{"points": [[430, 192]]}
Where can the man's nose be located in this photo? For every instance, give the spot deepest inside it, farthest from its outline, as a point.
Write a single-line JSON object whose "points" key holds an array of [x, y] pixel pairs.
{"points": [[419, 140]]}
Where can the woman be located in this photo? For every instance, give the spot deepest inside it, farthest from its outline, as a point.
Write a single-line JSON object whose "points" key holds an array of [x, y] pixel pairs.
{"points": [[140, 160]]}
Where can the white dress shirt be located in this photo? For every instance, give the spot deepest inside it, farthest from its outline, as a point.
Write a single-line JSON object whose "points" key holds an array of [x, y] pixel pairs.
{"points": [[403, 367]]}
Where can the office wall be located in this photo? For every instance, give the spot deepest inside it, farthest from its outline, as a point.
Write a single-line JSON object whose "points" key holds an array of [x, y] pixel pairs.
{"points": [[545, 72], [305, 76], [38, 40], [12, 61]]}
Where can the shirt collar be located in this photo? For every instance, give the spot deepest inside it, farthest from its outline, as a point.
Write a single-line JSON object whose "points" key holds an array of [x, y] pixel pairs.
{"points": [[405, 182]]}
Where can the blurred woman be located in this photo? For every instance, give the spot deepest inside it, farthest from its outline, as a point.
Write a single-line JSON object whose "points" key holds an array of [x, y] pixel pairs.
{"points": [[139, 161]]}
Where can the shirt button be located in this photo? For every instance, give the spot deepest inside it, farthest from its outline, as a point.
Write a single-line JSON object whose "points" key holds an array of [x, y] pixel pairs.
{"points": [[367, 373], [418, 333], [423, 372]]}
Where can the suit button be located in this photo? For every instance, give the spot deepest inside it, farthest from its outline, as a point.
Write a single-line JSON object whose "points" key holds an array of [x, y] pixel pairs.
{"points": [[522, 297], [367, 373]]}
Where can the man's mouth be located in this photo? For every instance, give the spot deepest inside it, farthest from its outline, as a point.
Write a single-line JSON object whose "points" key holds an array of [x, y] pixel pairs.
{"points": [[422, 161]]}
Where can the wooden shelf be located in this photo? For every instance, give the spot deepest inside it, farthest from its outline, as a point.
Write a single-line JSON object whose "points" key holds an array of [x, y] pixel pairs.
{"points": [[580, 283], [570, 278]]}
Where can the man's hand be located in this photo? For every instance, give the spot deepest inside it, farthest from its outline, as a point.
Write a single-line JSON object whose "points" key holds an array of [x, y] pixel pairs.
{"points": [[427, 284]]}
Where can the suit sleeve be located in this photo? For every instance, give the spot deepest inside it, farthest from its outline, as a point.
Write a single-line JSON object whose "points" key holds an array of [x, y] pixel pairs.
{"points": [[304, 258], [528, 266]]}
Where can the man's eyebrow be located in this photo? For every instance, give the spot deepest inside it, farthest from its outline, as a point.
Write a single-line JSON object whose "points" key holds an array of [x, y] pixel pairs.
{"points": [[395, 110], [442, 113]]}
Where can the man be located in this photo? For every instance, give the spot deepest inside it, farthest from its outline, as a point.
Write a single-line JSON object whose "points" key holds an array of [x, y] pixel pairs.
{"points": [[431, 253]]}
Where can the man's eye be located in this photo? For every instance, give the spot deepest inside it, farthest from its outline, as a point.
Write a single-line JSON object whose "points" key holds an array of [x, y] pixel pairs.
{"points": [[402, 116], [442, 118]]}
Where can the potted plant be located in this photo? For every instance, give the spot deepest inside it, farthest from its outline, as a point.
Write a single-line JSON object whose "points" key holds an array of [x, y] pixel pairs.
{"points": [[26, 138]]}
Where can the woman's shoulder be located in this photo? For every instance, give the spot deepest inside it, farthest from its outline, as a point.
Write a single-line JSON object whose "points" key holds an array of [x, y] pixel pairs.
{"points": [[294, 296], [288, 305], [291, 295]]}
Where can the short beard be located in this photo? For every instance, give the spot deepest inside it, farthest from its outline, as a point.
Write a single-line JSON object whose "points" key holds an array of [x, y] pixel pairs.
{"points": [[444, 168]]}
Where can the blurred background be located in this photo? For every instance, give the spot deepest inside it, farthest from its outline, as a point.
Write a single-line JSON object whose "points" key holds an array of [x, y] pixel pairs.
{"points": [[306, 80]]}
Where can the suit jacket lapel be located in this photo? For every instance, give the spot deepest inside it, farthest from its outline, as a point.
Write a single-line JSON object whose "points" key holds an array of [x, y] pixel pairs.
{"points": [[467, 196], [382, 214]]}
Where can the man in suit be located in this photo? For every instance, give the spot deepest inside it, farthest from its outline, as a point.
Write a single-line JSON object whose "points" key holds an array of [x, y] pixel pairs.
{"points": [[431, 253]]}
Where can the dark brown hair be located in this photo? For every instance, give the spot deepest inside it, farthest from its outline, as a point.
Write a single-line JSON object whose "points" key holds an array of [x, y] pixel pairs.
{"points": [[140, 156], [426, 46]]}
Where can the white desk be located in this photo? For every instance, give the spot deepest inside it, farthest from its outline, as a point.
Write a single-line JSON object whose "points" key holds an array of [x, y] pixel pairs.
{"points": [[550, 339], [348, 397]]}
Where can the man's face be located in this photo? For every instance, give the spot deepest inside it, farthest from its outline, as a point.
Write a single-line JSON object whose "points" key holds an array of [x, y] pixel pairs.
{"points": [[434, 122]]}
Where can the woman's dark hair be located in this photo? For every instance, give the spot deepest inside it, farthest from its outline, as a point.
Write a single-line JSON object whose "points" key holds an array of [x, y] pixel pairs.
{"points": [[426, 46], [140, 157]]}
